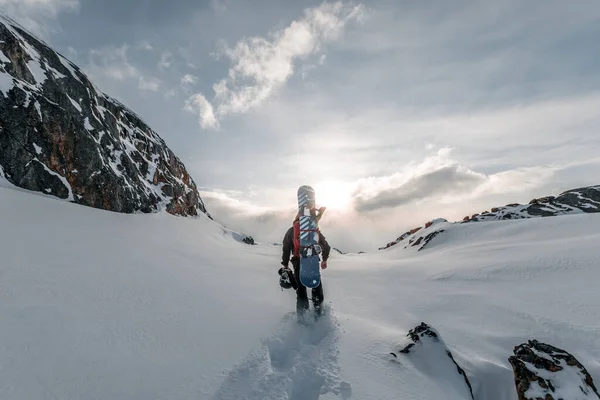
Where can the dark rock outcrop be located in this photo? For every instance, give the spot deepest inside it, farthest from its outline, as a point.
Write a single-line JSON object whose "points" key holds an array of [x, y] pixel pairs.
{"points": [[61, 136], [248, 240], [546, 372], [418, 237]]}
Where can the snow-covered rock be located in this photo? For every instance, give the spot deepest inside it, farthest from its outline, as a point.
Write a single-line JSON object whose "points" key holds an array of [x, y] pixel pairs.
{"points": [[419, 237], [429, 354], [545, 372], [61, 136]]}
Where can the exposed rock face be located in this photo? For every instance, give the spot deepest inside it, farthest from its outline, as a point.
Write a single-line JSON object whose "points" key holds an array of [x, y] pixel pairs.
{"points": [[418, 237], [61, 136], [432, 355], [549, 373]]}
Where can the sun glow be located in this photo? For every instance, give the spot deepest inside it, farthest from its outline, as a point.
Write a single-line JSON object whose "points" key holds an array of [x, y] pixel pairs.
{"points": [[334, 195]]}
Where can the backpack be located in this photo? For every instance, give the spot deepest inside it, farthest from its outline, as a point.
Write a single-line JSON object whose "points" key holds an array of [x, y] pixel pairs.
{"points": [[296, 235]]}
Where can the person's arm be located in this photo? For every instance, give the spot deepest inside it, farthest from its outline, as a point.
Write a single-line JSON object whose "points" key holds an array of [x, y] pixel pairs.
{"points": [[288, 244], [324, 246]]}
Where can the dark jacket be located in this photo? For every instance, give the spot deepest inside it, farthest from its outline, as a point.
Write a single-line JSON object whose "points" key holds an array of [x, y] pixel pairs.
{"points": [[288, 247]]}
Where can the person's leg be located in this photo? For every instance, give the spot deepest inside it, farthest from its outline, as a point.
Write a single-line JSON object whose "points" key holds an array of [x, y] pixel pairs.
{"points": [[317, 295], [301, 295]]}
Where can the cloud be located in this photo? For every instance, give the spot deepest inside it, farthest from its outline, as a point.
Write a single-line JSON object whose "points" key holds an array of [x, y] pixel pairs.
{"points": [[144, 45], [261, 66], [111, 61], [109, 64], [187, 82], [207, 118], [166, 59], [443, 180], [152, 84], [219, 5], [38, 16], [448, 179]]}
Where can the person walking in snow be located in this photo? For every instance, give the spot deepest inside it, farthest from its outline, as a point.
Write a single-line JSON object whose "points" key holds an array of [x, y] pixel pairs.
{"points": [[290, 248]]}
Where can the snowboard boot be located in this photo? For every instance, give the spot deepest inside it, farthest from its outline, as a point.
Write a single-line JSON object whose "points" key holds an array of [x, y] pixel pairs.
{"points": [[302, 311], [318, 311]]}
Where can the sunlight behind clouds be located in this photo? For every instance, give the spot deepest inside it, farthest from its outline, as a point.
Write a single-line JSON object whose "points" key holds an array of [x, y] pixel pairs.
{"points": [[335, 195]]}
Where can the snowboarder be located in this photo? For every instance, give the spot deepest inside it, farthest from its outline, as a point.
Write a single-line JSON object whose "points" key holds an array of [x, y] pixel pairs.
{"points": [[290, 247]]}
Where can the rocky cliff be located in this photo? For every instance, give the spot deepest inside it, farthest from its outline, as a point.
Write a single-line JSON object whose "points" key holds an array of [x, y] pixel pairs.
{"points": [[62, 136]]}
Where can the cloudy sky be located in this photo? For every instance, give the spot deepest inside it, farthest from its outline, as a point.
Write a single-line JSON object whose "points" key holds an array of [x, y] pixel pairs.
{"points": [[397, 112]]}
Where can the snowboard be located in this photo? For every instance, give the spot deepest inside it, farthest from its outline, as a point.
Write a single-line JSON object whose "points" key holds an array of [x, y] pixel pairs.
{"points": [[310, 263]]}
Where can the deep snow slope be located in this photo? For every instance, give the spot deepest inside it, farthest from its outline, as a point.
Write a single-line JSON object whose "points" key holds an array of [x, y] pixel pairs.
{"points": [[101, 305]]}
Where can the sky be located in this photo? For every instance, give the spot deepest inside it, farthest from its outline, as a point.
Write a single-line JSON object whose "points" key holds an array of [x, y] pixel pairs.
{"points": [[396, 112]]}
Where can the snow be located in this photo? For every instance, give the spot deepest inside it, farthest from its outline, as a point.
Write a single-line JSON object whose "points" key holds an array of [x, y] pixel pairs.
{"points": [[87, 125], [62, 178], [567, 383], [39, 109], [75, 104], [6, 82], [3, 58], [37, 71], [38, 149], [95, 304]]}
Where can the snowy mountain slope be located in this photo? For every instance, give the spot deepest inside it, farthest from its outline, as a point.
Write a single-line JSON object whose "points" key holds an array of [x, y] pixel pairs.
{"points": [[575, 201], [106, 305], [61, 136]]}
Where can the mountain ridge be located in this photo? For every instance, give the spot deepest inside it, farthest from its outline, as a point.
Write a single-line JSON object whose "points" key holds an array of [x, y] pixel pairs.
{"points": [[574, 201]]}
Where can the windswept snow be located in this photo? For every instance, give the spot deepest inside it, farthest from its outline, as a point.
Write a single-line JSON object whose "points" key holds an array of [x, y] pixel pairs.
{"points": [[75, 104], [3, 58], [87, 124], [59, 176], [38, 109], [37, 71], [95, 304], [38, 149], [6, 82]]}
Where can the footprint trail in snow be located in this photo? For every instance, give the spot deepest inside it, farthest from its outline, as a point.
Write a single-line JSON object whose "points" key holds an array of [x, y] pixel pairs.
{"points": [[298, 362]]}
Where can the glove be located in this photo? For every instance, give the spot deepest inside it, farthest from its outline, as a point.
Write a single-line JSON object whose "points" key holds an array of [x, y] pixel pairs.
{"points": [[323, 264]]}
